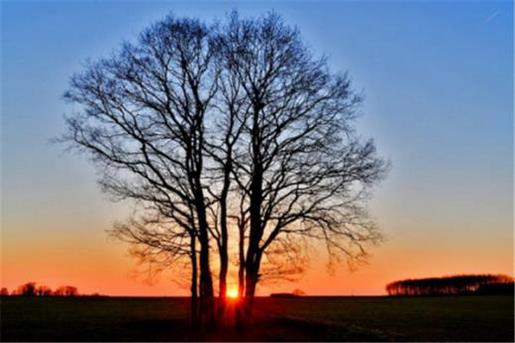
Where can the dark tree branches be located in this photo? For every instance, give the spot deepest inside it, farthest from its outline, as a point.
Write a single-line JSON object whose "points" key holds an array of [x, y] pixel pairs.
{"points": [[231, 137]]}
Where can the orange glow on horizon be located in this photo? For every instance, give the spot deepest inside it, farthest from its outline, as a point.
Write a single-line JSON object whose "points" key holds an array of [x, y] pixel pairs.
{"points": [[84, 258]]}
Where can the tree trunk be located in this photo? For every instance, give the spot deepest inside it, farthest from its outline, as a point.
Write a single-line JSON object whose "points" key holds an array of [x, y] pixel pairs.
{"points": [[240, 315], [224, 256], [244, 311], [251, 280], [224, 261], [194, 282], [224, 236], [206, 281], [222, 285], [252, 259], [206, 285], [241, 253]]}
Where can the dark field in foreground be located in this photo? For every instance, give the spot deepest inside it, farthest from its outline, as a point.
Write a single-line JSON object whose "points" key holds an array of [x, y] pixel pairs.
{"points": [[456, 318]]}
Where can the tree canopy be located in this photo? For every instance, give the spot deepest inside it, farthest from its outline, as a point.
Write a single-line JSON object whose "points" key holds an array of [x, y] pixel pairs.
{"points": [[229, 136]]}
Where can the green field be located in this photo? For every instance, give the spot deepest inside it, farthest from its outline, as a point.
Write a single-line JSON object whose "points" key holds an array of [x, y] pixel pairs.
{"points": [[457, 318]]}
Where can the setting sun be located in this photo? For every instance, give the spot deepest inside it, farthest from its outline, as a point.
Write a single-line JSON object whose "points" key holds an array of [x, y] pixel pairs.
{"points": [[232, 293]]}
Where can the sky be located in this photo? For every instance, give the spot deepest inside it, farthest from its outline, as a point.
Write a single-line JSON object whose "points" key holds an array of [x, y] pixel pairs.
{"points": [[438, 84]]}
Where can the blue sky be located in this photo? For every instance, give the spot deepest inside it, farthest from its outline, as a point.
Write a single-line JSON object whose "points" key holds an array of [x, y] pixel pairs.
{"points": [[438, 83]]}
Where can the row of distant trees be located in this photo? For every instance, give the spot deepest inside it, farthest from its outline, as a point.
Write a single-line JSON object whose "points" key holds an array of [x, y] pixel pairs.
{"points": [[457, 284], [31, 289]]}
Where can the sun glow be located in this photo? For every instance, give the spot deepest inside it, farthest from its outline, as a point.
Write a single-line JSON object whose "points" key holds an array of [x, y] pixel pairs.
{"points": [[232, 293]]}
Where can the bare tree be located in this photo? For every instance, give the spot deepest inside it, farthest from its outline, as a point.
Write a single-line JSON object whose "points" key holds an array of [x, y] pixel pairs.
{"points": [[227, 129], [142, 122], [300, 166]]}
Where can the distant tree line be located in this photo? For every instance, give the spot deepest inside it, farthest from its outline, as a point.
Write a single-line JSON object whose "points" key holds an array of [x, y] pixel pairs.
{"points": [[457, 284], [31, 289], [295, 293]]}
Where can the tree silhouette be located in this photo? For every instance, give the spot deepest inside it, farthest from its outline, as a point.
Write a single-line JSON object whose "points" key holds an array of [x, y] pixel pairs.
{"points": [[223, 129], [300, 167], [458, 284], [43, 291], [66, 291], [28, 289], [143, 124]]}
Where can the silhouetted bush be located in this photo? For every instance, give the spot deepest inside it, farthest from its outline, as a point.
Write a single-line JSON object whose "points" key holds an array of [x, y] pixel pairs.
{"points": [[66, 291], [458, 284], [27, 290], [43, 291], [4, 292]]}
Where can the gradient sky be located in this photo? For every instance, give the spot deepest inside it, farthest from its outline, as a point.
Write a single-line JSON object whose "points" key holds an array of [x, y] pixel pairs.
{"points": [[438, 80]]}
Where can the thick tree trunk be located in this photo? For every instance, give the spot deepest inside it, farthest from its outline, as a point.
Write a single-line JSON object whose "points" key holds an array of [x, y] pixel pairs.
{"points": [[224, 238], [244, 312], [224, 260], [207, 311], [241, 253], [194, 282], [240, 315], [222, 285], [253, 257], [206, 284], [251, 279]]}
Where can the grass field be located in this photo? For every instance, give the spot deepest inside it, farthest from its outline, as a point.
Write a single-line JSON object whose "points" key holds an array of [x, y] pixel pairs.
{"points": [[459, 318]]}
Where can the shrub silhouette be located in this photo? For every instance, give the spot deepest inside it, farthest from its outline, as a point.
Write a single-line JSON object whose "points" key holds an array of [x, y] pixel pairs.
{"points": [[27, 290], [43, 291], [457, 284], [66, 291]]}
